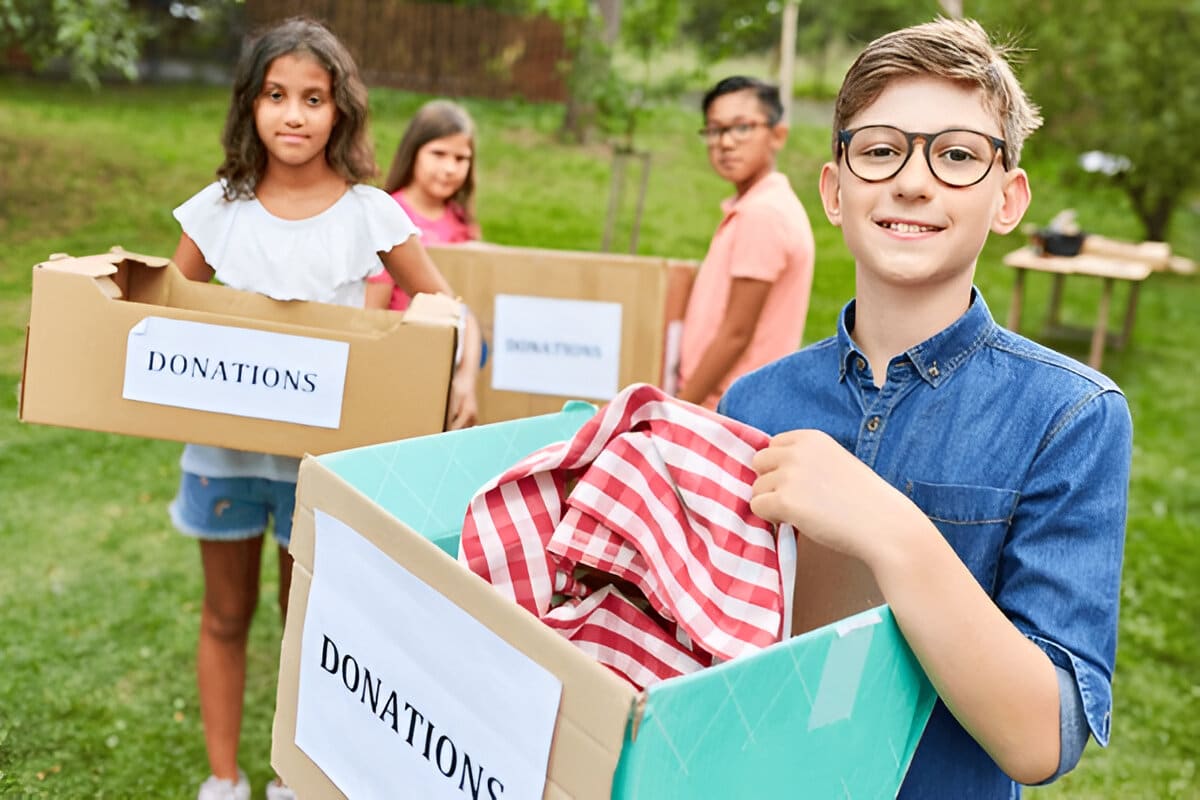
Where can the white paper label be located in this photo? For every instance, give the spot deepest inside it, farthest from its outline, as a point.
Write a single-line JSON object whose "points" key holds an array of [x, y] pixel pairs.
{"points": [[404, 694], [570, 348], [250, 373]]}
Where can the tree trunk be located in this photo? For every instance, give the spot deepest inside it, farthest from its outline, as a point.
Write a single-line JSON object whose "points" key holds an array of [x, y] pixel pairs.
{"points": [[610, 12], [578, 111], [953, 8], [1157, 220], [1154, 214]]}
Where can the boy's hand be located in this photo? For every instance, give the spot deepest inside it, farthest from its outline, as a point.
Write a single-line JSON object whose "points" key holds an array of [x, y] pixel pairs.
{"points": [[806, 478]]}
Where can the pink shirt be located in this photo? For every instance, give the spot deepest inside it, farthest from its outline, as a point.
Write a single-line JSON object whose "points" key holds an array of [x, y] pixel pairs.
{"points": [[765, 235], [450, 228]]}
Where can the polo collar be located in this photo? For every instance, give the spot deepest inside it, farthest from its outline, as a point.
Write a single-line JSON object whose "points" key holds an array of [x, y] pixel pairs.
{"points": [[730, 204]]}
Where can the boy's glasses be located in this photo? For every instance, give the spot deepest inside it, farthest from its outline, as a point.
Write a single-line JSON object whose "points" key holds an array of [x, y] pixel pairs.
{"points": [[956, 157], [738, 131]]}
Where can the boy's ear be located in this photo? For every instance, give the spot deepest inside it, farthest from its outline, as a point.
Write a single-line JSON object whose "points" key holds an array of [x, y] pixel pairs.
{"points": [[831, 197], [1015, 198], [779, 134]]}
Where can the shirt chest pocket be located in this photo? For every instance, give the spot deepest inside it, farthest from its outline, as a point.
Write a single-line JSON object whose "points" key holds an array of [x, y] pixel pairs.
{"points": [[973, 519]]}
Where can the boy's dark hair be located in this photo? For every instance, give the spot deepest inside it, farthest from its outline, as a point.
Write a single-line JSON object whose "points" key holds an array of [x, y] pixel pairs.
{"points": [[349, 150], [767, 94], [434, 120]]}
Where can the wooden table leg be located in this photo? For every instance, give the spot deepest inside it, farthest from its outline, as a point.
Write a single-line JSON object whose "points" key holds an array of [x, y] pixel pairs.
{"points": [[1130, 315], [1014, 310], [1056, 292], [1100, 334]]}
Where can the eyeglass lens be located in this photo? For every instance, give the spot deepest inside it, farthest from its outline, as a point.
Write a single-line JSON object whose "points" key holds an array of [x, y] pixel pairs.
{"points": [[958, 158], [739, 131]]}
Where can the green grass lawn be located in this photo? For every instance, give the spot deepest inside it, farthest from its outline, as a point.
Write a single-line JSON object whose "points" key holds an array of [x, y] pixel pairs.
{"points": [[99, 598]]}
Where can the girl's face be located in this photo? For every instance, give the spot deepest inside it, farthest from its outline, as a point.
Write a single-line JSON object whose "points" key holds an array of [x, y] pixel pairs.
{"points": [[295, 112], [441, 167]]}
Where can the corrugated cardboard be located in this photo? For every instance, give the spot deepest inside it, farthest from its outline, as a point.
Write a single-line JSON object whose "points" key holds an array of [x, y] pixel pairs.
{"points": [[834, 712], [82, 310], [651, 291]]}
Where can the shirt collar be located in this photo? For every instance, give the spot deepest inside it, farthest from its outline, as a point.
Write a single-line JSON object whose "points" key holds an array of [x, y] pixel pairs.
{"points": [[936, 358], [730, 204]]}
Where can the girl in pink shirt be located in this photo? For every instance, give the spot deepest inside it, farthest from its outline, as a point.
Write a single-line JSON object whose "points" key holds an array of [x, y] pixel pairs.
{"points": [[432, 177]]}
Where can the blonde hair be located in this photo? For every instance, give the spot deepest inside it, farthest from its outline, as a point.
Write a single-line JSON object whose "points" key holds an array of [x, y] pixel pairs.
{"points": [[954, 49]]}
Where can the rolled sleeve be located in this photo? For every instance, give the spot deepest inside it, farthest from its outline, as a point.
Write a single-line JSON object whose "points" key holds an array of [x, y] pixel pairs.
{"points": [[1060, 576]]}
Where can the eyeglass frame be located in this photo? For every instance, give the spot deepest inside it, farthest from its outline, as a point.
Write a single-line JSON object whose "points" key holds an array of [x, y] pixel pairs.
{"points": [[845, 135], [713, 135]]}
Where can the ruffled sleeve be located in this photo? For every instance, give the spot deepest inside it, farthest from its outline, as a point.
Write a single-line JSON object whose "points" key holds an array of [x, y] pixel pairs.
{"points": [[326, 257], [384, 222], [206, 220]]}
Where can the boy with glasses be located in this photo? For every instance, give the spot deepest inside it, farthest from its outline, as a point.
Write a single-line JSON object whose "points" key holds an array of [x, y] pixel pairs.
{"points": [[981, 478], [750, 296]]}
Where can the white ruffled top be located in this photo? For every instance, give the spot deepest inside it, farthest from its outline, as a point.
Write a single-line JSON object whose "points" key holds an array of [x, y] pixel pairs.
{"points": [[325, 258]]}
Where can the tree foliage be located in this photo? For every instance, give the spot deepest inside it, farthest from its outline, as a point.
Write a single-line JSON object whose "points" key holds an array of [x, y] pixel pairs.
{"points": [[93, 36], [725, 27], [600, 95], [1118, 77]]}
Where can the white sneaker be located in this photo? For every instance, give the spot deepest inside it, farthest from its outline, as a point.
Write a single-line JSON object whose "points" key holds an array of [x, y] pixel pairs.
{"points": [[276, 790], [217, 789]]}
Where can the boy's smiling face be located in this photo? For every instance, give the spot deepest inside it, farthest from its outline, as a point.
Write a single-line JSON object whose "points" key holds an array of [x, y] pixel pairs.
{"points": [[912, 230]]}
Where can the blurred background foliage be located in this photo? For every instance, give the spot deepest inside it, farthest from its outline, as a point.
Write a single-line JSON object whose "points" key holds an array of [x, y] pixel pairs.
{"points": [[1111, 76]]}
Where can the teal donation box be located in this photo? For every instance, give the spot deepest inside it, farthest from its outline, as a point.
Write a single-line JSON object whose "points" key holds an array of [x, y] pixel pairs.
{"points": [[405, 675]]}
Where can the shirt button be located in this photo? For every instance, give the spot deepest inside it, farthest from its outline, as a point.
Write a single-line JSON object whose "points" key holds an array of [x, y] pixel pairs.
{"points": [[933, 370], [858, 362], [873, 424]]}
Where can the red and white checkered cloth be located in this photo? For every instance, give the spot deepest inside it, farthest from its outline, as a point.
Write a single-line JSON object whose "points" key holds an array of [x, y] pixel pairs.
{"points": [[656, 493]]}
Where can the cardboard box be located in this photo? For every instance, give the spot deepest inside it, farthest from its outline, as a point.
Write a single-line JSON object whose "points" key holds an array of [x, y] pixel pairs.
{"points": [[325, 377], [648, 291], [835, 712]]}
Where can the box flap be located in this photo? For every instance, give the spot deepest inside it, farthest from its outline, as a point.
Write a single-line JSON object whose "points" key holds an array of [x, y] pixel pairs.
{"points": [[99, 265], [432, 498], [838, 711], [436, 309]]}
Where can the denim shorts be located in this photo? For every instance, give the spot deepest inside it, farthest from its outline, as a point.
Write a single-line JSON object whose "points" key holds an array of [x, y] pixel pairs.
{"points": [[229, 509]]}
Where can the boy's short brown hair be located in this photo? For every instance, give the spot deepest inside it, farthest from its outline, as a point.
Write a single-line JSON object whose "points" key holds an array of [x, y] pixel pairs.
{"points": [[954, 49]]}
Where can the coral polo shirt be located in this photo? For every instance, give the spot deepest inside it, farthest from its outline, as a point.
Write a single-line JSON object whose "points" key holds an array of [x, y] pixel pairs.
{"points": [[764, 235]]}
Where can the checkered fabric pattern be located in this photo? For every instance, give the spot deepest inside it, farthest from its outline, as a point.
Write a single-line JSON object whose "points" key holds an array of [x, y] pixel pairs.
{"points": [[651, 492]]}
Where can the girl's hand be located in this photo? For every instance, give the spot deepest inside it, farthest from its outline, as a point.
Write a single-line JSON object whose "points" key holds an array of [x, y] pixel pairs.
{"points": [[463, 411], [413, 270]]}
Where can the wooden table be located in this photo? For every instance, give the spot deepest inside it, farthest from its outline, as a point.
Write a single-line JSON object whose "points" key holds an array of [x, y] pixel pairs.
{"points": [[1109, 269]]}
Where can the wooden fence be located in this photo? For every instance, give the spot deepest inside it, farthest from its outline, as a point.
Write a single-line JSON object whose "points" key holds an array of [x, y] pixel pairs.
{"points": [[458, 51]]}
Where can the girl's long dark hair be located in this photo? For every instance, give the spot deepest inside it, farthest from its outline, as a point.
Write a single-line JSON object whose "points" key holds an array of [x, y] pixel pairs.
{"points": [[349, 151], [434, 120]]}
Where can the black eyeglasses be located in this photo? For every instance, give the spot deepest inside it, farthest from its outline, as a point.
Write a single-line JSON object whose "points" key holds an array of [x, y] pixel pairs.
{"points": [[738, 131], [957, 157]]}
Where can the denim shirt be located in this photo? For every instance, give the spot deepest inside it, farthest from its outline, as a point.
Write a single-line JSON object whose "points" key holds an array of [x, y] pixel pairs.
{"points": [[1020, 456]]}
